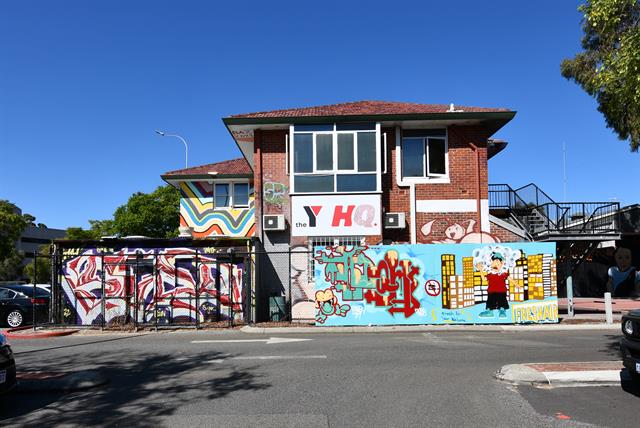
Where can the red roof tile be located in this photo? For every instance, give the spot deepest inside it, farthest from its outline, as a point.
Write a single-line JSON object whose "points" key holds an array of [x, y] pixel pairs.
{"points": [[228, 167], [366, 108]]}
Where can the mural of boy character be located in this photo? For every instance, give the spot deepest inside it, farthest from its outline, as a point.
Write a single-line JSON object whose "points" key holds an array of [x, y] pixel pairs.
{"points": [[497, 291], [624, 279]]}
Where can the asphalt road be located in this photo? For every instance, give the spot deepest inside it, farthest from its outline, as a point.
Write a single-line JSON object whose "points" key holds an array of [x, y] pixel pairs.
{"points": [[386, 379]]}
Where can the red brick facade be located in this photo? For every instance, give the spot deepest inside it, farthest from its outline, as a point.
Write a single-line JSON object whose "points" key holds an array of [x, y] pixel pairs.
{"points": [[467, 149]]}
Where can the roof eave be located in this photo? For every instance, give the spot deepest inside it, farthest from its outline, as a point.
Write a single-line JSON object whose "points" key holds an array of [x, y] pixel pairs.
{"points": [[203, 176], [497, 115]]}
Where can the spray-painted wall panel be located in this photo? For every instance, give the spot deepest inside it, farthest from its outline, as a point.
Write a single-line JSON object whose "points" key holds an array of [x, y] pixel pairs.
{"points": [[436, 284], [132, 290], [198, 212]]}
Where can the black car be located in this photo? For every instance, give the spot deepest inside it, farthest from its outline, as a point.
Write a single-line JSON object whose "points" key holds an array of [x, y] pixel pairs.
{"points": [[7, 366], [630, 343], [19, 302]]}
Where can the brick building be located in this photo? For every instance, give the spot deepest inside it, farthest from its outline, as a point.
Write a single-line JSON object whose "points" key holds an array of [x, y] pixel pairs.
{"points": [[375, 172]]}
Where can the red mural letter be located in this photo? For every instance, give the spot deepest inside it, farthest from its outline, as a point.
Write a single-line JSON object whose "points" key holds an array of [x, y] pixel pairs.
{"points": [[340, 215]]}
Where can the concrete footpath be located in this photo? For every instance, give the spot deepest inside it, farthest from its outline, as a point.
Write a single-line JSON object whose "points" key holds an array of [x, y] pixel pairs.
{"points": [[591, 373], [426, 328]]}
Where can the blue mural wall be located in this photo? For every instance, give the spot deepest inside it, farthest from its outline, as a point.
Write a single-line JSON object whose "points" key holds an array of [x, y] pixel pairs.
{"points": [[501, 283]]}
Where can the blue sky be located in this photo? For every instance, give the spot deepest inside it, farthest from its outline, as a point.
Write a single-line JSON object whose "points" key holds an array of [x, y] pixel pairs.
{"points": [[84, 84]]}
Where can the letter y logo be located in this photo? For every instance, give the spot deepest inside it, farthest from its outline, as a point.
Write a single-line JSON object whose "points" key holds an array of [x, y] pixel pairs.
{"points": [[312, 213]]}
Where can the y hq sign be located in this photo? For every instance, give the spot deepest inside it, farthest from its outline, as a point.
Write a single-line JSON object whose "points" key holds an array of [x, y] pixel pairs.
{"points": [[335, 215]]}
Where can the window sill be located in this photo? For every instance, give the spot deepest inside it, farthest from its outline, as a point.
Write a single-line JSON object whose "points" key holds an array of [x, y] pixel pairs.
{"points": [[367, 192], [426, 180]]}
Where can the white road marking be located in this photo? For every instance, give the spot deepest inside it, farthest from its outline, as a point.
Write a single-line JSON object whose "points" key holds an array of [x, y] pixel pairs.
{"points": [[269, 357], [269, 341]]}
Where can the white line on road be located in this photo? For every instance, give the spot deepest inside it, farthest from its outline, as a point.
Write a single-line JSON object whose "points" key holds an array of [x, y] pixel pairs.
{"points": [[270, 357], [269, 341]]}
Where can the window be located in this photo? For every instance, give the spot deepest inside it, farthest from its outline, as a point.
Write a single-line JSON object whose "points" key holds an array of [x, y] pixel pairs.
{"points": [[424, 156], [335, 158], [228, 195], [325, 241], [222, 196], [241, 194]]}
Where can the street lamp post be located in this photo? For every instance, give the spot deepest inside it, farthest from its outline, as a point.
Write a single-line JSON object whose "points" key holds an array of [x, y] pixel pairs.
{"points": [[186, 148]]}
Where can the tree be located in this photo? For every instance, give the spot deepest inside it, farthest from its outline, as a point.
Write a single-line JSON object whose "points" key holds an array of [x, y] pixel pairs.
{"points": [[609, 67], [155, 215], [12, 224], [43, 273]]}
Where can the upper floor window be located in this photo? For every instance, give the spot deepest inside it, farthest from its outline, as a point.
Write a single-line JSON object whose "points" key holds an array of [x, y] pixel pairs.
{"points": [[425, 154], [335, 158], [228, 195]]}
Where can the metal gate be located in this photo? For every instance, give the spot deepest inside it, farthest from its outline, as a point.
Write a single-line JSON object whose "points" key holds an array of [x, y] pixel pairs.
{"points": [[152, 287]]}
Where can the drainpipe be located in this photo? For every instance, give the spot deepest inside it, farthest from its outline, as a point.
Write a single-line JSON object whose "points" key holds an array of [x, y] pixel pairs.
{"points": [[479, 194], [412, 201]]}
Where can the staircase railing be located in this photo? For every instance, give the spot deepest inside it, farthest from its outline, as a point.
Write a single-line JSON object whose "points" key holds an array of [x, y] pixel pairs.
{"points": [[542, 215]]}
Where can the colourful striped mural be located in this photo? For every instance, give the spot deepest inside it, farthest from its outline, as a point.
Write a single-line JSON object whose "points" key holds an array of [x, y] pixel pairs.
{"points": [[197, 212]]}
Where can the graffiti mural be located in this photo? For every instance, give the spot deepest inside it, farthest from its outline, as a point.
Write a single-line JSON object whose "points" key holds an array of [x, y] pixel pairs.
{"points": [[139, 283], [274, 195], [198, 212], [456, 233], [623, 278], [436, 284]]}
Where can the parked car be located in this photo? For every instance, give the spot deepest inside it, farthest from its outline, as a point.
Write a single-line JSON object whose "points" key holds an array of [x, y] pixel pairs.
{"points": [[630, 343], [7, 366], [18, 304]]}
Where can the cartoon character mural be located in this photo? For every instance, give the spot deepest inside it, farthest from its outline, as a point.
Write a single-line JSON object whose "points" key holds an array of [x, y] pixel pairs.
{"points": [[162, 281], [328, 305], [456, 233], [436, 284], [494, 263], [624, 279]]}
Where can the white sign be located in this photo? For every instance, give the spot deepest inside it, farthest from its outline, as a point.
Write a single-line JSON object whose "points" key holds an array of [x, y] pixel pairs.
{"points": [[335, 215]]}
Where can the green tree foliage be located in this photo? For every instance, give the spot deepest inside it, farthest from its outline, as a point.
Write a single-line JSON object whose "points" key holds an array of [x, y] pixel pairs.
{"points": [[156, 215], [12, 224], [609, 67], [11, 266], [43, 274]]}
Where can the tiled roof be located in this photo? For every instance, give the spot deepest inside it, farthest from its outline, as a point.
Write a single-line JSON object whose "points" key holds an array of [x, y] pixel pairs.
{"points": [[228, 167], [365, 108]]}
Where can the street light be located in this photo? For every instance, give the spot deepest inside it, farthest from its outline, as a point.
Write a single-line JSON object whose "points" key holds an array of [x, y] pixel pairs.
{"points": [[186, 148]]}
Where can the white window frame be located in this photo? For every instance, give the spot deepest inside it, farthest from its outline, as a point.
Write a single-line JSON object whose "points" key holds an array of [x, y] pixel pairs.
{"points": [[427, 177], [231, 184], [335, 171]]}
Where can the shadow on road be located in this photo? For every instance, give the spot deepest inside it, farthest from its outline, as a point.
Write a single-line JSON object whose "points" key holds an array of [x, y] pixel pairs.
{"points": [[71, 345], [143, 389]]}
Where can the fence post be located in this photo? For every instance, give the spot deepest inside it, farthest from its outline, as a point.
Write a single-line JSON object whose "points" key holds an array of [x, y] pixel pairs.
{"points": [[570, 296], [35, 280], [230, 285], [290, 298], [197, 290], [608, 309], [103, 303]]}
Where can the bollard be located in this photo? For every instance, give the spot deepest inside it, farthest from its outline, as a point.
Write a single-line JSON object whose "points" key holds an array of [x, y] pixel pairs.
{"points": [[608, 309], [570, 296]]}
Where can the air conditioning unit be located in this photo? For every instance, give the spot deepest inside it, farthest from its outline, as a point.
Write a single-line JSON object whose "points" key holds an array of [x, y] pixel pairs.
{"points": [[273, 222], [394, 221]]}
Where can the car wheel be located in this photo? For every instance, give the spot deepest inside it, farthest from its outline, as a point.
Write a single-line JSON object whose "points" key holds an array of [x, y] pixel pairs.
{"points": [[634, 376], [15, 318]]}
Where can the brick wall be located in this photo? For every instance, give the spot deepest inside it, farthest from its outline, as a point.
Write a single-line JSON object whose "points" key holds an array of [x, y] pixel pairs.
{"points": [[270, 167], [504, 235]]}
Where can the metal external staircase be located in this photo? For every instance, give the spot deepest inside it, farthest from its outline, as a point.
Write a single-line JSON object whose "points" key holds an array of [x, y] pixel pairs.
{"points": [[544, 219]]}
